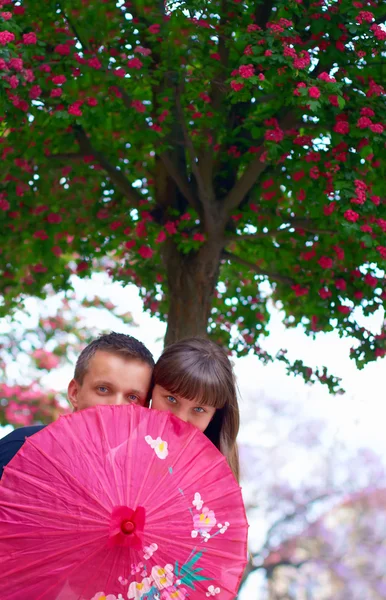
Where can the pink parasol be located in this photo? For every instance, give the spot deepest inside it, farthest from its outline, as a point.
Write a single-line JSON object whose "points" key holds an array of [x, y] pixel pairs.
{"points": [[120, 502]]}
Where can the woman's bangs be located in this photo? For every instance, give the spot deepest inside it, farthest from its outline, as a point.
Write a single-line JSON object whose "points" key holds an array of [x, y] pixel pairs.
{"points": [[193, 386]]}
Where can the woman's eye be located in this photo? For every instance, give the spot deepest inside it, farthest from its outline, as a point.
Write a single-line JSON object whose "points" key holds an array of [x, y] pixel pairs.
{"points": [[172, 400], [199, 409]]}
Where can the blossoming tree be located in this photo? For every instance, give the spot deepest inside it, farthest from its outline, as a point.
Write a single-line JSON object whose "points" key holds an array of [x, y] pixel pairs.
{"points": [[40, 341], [199, 150]]}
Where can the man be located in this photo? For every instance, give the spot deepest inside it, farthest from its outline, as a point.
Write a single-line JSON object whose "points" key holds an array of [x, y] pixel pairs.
{"points": [[113, 369]]}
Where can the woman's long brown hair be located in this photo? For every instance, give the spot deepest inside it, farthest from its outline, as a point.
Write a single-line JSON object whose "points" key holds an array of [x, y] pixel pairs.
{"points": [[200, 370]]}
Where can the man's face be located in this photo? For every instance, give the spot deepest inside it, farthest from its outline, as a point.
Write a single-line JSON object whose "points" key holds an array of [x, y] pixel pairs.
{"points": [[111, 379]]}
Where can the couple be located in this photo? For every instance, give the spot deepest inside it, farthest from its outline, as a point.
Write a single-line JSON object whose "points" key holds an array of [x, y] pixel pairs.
{"points": [[193, 379]]}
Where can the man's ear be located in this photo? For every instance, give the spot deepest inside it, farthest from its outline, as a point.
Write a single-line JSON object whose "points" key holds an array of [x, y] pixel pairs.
{"points": [[72, 393]]}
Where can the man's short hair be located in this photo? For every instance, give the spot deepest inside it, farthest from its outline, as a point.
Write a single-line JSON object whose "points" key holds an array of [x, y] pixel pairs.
{"points": [[116, 343]]}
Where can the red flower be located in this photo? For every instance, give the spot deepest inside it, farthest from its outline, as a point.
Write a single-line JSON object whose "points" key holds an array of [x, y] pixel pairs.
{"points": [[6, 37], [364, 16], [134, 63], [94, 63], [75, 110], [130, 244], [170, 227], [4, 204], [29, 38], [161, 237], [40, 235], [299, 290], [325, 262], [314, 92], [59, 79], [155, 28], [342, 127], [236, 86], [63, 49], [382, 251], [345, 310], [351, 215], [145, 252], [247, 71], [363, 122], [138, 106], [199, 237], [371, 280], [35, 92], [54, 218], [376, 127], [340, 284]]}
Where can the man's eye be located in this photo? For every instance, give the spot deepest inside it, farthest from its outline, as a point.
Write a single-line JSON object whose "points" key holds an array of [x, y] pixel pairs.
{"points": [[172, 400], [103, 389], [133, 398]]}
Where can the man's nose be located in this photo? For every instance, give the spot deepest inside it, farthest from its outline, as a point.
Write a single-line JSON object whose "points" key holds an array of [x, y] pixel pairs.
{"points": [[120, 399]]}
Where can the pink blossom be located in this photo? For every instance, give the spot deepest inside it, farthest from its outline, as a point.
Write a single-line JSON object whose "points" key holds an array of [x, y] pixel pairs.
{"points": [[45, 360], [314, 92], [138, 106], [35, 92], [6, 37], [376, 127], [16, 64], [236, 86], [75, 110], [63, 49], [134, 63], [155, 28], [246, 71], [59, 79], [94, 63], [351, 215], [142, 50], [29, 38], [199, 237], [325, 262], [342, 127], [6, 16], [145, 252], [382, 251], [161, 237]]}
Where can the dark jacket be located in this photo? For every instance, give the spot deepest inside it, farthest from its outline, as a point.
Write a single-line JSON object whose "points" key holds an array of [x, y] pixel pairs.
{"points": [[12, 442]]}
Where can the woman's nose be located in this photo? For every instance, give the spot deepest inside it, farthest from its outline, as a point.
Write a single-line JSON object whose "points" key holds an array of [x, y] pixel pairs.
{"points": [[181, 414]]}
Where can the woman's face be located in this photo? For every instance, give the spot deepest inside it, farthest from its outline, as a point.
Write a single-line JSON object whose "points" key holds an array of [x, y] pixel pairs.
{"points": [[187, 410]]}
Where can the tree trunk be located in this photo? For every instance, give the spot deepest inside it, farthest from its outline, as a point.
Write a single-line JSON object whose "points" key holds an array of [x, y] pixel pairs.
{"points": [[192, 280]]}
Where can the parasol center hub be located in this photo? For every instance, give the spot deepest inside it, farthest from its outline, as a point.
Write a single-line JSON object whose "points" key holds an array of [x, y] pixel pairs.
{"points": [[127, 527]]}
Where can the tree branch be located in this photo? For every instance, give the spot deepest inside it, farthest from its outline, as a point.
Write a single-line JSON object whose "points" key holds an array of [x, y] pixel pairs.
{"points": [[275, 276], [116, 176], [72, 27], [180, 179], [253, 171], [206, 196], [308, 225], [245, 183]]}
